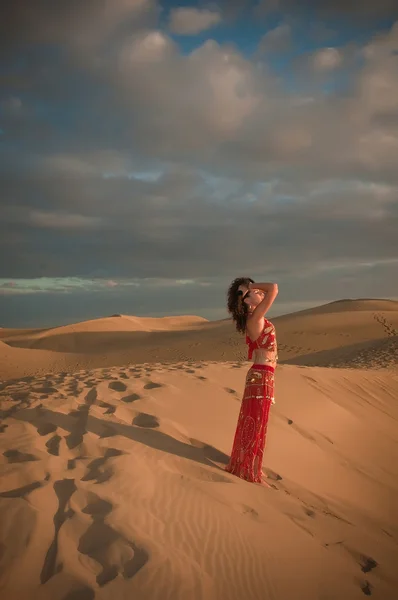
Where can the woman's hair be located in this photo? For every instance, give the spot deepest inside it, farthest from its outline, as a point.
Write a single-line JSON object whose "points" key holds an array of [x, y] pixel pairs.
{"points": [[236, 307]]}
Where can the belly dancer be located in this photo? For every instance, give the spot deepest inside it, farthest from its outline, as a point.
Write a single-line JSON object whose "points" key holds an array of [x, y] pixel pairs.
{"points": [[248, 302]]}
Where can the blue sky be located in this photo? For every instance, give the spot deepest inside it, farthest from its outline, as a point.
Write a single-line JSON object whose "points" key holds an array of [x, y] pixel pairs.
{"points": [[152, 151]]}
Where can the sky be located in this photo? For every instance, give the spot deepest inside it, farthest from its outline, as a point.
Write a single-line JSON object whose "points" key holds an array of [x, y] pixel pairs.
{"points": [[151, 151]]}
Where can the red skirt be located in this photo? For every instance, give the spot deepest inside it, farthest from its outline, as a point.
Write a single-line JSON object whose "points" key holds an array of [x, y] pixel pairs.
{"points": [[251, 431]]}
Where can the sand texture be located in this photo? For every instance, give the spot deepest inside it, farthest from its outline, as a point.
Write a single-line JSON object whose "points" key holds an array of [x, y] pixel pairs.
{"points": [[113, 441]]}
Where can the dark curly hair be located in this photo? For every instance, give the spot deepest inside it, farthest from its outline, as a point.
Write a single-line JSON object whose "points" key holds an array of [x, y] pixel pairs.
{"points": [[236, 307]]}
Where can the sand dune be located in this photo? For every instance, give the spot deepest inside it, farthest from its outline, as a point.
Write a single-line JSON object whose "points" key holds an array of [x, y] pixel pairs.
{"points": [[374, 354], [113, 487], [338, 333], [113, 441], [368, 304]]}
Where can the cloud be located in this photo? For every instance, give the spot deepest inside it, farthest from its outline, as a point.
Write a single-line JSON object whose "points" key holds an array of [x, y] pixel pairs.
{"points": [[60, 220], [198, 166], [231, 111], [276, 40], [93, 163], [328, 68], [327, 59], [85, 26], [190, 21], [11, 106], [349, 9], [295, 224], [186, 103], [56, 285]]}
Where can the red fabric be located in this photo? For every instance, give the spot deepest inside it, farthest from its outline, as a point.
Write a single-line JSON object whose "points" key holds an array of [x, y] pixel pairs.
{"points": [[266, 340], [251, 431]]}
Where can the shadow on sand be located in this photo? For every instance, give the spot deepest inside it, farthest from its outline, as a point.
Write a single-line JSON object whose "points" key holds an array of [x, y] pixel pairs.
{"points": [[197, 451]]}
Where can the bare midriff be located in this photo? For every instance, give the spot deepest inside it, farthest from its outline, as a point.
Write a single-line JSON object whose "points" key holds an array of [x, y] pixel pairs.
{"points": [[264, 349], [265, 357]]}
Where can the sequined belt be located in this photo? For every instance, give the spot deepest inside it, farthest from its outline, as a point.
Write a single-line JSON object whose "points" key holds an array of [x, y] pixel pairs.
{"points": [[260, 367], [260, 383]]}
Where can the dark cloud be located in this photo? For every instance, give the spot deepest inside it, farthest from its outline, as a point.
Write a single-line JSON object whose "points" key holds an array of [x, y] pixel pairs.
{"points": [[120, 158], [364, 8], [92, 22], [85, 24], [352, 10], [348, 9], [171, 228]]}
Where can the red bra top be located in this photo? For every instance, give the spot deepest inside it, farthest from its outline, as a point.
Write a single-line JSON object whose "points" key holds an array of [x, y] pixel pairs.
{"points": [[266, 340]]}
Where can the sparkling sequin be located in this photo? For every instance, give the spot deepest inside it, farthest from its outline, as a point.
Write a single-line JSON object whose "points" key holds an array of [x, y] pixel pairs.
{"points": [[250, 436], [265, 341]]}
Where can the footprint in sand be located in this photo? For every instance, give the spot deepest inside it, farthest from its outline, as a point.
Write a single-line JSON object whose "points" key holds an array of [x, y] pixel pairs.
{"points": [[46, 428], [366, 588], [207, 474], [230, 390], [45, 389], [90, 384], [368, 564], [98, 508], [75, 437], [83, 593], [15, 456], [118, 386], [63, 489], [98, 470], [272, 475], [152, 385], [110, 409], [145, 420], [131, 398], [210, 452], [53, 445], [99, 538], [16, 396], [21, 492], [74, 390], [138, 561], [249, 511]]}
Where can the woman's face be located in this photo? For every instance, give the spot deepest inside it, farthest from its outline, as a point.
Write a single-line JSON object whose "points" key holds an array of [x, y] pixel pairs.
{"points": [[254, 297]]}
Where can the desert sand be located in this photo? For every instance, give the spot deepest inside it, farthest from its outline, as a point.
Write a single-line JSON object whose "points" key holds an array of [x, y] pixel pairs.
{"points": [[115, 434]]}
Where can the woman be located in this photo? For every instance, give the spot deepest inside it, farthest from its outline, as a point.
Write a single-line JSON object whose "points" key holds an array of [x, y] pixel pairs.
{"points": [[248, 302]]}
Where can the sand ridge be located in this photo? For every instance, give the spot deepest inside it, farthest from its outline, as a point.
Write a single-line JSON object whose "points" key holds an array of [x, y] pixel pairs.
{"points": [[355, 333]]}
